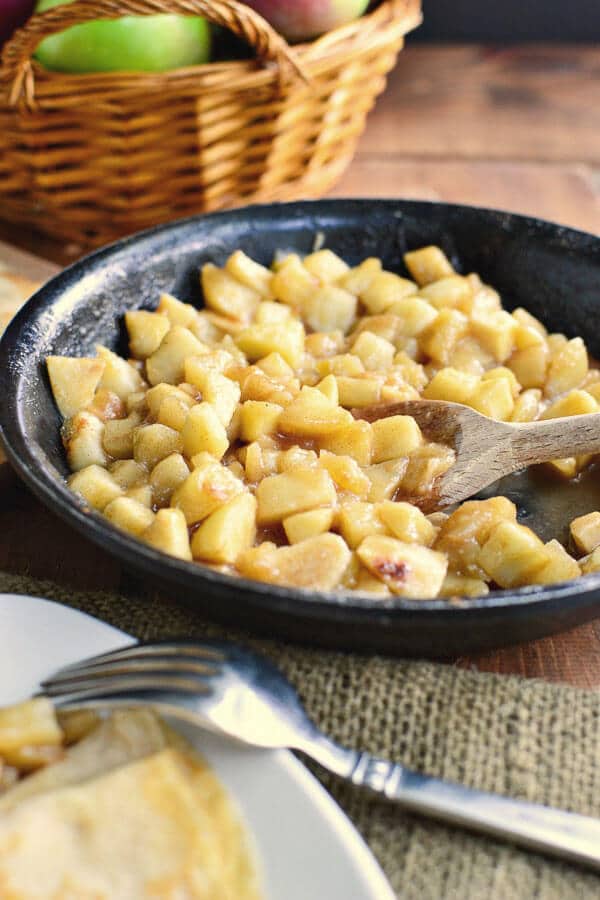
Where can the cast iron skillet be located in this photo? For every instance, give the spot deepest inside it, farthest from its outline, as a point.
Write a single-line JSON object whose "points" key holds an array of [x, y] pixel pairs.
{"points": [[552, 271]]}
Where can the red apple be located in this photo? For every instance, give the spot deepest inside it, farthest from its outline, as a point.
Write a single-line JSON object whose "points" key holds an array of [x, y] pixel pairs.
{"points": [[304, 19], [12, 14]]}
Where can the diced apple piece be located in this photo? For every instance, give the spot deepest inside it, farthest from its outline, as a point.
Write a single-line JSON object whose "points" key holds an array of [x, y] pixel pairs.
{"points": [[250, 273], [157, 394], [507, 375], [168, 532], [275, 366], [117, 437], [463, 586], [118, 376], [354, 439], [562, 468], [167, 363], [141, 493], [428, 264], [228, 296], [527, 406], [325, 265], [31, 723], [259, 462], [468, 355], [358, 392], [204, 491], [173, 412], [346, 473], [258, 418], [296, 458], [96, 486], [384, 289], [451, 385], [407, 569], [359, 278], [440, 338], [203, 430], [166, 476], [575, 403], [495, 331], [293, 284], [286, 338], [129, 515], [341, 364], [357, 520], [426, 464], [317, 563], [513, 555], [83, 440], [395, 436], [525, 319], [146, 331], [568, 368], [530, 365], [590, 563], [406, 522], [280, 496], [151, 443], [375, 353], [74, 381], [453, 291], [466, 530], [366, 583], [413, 316], [205, 326], [216, 388], [560, 566], [128, 473], [311, 414], [330, 308], [493, 398], [385, 478], [107, 406], [270, 312], [308, 524], [176, 312], [227, 532], [328, 386], [585, 532]]}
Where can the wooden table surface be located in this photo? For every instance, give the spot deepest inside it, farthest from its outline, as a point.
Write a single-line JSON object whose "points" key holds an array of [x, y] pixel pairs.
{"points": [[516, 128]]}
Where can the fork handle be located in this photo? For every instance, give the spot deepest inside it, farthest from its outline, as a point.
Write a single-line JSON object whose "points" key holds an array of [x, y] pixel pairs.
{"points": [[556, 832]]}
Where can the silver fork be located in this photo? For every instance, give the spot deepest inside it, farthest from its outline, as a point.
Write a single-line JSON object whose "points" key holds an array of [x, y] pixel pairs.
{"points": [[232, 690]]}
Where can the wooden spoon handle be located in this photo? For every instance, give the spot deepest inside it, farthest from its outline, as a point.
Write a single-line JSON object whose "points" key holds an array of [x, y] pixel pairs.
{"points": [[535, 442]]}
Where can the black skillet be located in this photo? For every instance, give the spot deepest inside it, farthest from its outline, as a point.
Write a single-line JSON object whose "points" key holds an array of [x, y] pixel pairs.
{"points": [[553, 271]]}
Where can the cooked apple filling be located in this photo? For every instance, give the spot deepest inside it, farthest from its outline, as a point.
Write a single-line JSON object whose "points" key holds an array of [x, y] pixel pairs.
{"points": [[233, 437]]}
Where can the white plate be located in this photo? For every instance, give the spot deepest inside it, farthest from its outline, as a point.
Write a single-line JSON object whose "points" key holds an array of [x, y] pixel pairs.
{"points": [[308, 848]]}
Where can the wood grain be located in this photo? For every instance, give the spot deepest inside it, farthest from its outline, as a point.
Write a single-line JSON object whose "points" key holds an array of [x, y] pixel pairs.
{"points": [[514, 128], [564, 193], [539, 103]]}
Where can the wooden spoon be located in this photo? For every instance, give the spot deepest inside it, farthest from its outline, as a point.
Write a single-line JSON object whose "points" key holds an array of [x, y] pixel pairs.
{"points": [[485, 448]]}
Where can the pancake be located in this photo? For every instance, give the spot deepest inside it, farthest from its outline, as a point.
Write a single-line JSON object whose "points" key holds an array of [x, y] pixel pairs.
{"points": [[131, 813]]}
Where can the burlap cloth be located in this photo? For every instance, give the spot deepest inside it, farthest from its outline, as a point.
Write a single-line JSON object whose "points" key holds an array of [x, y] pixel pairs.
{"points": [[522, 738]]}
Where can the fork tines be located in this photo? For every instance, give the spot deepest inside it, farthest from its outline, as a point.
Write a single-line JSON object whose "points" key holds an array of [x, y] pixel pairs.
{"points": [[168, 666]]}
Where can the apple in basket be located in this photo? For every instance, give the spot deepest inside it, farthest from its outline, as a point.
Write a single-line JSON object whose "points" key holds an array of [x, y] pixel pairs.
{"points": [[146, 44], [12, 14], [305, 19]]}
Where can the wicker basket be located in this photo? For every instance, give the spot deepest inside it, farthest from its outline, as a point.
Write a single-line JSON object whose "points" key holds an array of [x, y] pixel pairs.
{"points": [[92, 157]]}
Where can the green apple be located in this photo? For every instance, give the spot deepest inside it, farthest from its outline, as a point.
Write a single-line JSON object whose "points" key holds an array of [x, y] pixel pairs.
{"points": [[132, 43]]}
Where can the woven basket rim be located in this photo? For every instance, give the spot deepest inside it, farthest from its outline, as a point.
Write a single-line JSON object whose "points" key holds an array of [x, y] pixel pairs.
{"points": [[404, 14]]}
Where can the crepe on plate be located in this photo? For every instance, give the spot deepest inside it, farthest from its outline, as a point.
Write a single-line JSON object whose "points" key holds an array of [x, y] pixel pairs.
{"points": [[129, 813]]}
